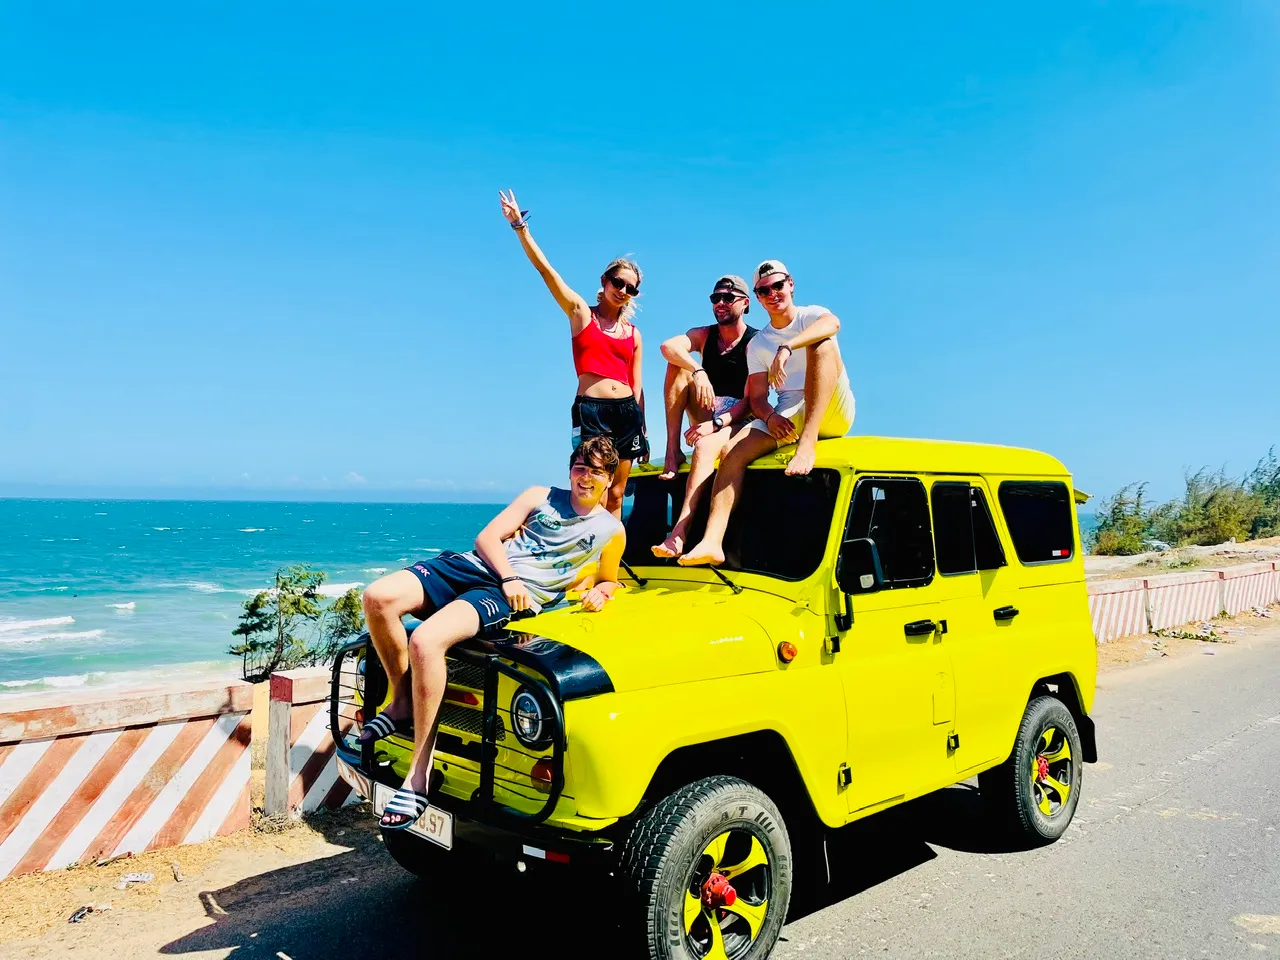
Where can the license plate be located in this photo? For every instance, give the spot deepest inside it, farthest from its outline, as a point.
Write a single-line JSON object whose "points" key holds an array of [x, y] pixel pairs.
{"points": [[435, 824]]}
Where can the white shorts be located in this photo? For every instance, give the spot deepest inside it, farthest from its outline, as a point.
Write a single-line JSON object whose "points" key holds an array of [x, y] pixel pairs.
{"points": [[837, 421]]}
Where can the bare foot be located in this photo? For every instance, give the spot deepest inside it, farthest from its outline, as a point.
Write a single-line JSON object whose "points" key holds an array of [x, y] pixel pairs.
{"points": [[671, 464], [673, 546], [703, 556], [802, 461]]}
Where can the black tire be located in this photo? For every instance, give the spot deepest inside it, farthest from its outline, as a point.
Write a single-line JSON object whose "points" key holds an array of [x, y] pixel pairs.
{"points": [[664, 860], [1016, 797]]}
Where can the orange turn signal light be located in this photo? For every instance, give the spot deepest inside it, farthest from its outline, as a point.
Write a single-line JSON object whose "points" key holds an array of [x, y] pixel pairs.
{"points": [[787, 651], [541, 775]]}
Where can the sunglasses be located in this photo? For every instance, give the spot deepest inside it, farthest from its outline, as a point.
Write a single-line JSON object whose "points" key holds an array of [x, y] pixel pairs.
{"points": [[725, 297], [765, 289], [620, 284]]}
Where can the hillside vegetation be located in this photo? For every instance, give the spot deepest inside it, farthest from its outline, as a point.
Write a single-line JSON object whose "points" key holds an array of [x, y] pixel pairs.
{"points": [[1214, 508]]}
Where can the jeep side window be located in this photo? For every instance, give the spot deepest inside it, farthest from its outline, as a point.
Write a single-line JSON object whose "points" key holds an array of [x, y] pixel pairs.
{"points": [[964, 530], [1038, 514], [894, 514]]}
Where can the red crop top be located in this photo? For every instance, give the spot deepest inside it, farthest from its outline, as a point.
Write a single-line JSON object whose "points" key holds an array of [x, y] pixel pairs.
{"points": [[594, 351]]}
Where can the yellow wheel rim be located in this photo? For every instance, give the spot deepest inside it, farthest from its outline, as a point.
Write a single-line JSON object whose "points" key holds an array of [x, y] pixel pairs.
{"points": [[718, 926], [1052, 771]]}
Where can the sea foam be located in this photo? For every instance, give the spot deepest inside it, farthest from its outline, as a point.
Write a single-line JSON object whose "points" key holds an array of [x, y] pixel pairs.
{"points": [[130, 606], [14, 626]]}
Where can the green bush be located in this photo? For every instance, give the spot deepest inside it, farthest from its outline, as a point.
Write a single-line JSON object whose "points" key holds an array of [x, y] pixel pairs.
{"points": [[1213, 508]]}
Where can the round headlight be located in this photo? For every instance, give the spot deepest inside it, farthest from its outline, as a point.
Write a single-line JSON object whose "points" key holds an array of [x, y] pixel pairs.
{"points": [[358, 683], [526, 717]]}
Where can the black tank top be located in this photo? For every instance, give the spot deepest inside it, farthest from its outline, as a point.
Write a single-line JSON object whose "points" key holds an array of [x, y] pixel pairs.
{"points": [[727, 371]]}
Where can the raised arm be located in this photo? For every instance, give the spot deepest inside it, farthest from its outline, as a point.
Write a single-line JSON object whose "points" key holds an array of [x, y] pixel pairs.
{"points": [[570, 302], [489, 543]]}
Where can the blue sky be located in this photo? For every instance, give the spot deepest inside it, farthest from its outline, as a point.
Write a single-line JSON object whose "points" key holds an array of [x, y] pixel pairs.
{"points": [[251, 249]]}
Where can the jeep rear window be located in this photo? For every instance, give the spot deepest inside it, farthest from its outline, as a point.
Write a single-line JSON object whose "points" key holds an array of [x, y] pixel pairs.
{"points": [[1038, 514], [894, 513], [779, 527]]}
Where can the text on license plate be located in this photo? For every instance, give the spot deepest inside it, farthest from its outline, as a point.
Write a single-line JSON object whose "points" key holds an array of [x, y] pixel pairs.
{"points": [[435, 824]]}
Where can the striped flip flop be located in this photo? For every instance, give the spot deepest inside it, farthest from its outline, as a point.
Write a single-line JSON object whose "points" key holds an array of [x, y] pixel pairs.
{"points": [[406, 803], [383, 726]]}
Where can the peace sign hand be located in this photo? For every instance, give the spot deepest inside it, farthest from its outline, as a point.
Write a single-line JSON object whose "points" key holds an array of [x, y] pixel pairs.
{"points": [[510, 208]]}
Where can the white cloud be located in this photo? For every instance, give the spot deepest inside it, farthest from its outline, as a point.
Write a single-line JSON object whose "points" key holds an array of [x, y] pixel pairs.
{"points": [[354, 477]]}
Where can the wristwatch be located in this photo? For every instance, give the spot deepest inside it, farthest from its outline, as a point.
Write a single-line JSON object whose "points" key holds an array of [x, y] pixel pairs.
{"points": [[717, 421]]}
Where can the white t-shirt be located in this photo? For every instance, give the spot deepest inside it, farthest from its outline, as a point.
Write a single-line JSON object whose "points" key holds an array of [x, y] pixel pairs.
{"points": [[764, 345]]}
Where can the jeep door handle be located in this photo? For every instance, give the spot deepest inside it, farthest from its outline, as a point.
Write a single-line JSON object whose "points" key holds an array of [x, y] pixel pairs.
{"points": [[1005, 613], [920, 628]]}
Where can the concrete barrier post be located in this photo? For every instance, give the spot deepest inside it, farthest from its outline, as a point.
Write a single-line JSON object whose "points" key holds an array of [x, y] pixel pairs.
{"points": [[90, 775], [302, 771]]}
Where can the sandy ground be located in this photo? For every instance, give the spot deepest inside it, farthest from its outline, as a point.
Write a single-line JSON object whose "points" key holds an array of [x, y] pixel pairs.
{"points": [[1182, 559], [34, 909]]}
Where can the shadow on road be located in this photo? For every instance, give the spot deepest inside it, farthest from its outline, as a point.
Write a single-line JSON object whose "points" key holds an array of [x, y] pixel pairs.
{"points": [[361, 904]]}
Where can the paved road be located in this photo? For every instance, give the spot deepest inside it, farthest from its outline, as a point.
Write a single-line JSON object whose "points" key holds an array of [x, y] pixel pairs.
{"points": [[1174, 853]]}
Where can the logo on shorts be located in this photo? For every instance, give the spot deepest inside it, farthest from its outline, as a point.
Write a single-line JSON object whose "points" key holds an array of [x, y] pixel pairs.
{"points": [[490, 607]]}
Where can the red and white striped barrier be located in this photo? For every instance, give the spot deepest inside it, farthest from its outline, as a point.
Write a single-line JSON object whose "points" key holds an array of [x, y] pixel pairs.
{"points": [[1125, 608], [88, 776], [302, 768], [1249, 585], [1118, 608], [1176, 599]]}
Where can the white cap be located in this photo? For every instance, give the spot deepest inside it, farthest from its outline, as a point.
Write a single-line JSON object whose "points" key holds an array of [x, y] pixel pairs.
{"points": [[768, 268]]}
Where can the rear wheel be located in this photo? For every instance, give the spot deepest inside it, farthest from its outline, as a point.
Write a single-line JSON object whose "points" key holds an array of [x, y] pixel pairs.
{"points": [[1035, 792], [710, 869]]}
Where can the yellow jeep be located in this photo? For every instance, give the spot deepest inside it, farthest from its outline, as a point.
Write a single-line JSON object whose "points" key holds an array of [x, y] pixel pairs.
{"points": [[909, 615]]}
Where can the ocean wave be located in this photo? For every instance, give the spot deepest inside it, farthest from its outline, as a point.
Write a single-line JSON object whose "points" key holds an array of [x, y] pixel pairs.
{"points": [[199, 586], [14, 626], [337, 589], [41, 636], [131, 605], [160, 528], [377, 571], [252, 529]]}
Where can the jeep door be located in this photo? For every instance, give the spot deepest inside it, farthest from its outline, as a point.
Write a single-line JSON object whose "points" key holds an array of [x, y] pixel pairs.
{"points": [[893, 662], [984, 632]]}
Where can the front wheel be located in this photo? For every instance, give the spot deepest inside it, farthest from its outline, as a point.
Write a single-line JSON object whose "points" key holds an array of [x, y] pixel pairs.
{"points": [[1035, 792], [710, 870]]}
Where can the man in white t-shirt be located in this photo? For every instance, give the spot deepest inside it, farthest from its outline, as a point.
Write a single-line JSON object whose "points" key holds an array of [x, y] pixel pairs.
{"points": [[796, 355]]}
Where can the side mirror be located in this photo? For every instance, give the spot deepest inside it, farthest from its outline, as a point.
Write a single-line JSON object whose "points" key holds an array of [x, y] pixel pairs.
{"points": [[858, 567]]}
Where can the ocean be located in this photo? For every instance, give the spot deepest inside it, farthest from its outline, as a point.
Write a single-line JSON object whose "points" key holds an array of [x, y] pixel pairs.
{"points": [[96, 593]]}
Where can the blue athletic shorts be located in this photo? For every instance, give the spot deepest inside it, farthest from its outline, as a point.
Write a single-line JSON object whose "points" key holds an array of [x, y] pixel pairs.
{"points": [[451, 576]]}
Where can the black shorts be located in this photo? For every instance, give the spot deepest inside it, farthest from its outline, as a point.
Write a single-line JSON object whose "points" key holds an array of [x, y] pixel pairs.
{"points": [[618, 418], [451, 576]]}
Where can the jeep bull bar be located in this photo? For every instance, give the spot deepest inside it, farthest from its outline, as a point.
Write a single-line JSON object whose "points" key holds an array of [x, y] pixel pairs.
{"points": [[488, 657]]}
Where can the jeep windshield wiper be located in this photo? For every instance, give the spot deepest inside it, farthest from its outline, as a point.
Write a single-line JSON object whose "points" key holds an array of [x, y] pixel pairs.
{"points": [[640, 581], [725, 580]]}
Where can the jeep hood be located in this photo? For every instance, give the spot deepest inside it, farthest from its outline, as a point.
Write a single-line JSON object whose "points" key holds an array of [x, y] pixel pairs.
{"points": [[658, 635]]}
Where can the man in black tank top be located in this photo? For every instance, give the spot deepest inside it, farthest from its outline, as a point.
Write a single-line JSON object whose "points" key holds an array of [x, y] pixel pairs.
{"points": [[710, 392]]}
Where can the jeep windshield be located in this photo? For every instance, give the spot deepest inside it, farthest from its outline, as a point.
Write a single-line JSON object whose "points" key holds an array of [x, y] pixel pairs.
{"points": [[779, 527]]}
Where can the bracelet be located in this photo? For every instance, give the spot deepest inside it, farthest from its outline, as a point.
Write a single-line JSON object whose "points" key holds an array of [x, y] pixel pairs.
{"points": [[509, 579], [698, 370], [522, 222], [783, 346]]}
